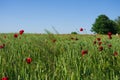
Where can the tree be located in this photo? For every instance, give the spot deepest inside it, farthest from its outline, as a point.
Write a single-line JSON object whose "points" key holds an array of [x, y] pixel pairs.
{"points": [[74, 33], [103, 25], [118, 24]]}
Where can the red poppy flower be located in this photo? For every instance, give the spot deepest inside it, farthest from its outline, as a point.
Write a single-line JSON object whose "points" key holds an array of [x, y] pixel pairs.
{"points": [[100, 48], [84, 52], [109, 33], [5, 78], [28, 60], [81, 29], [94, 42], [54, 40], [115, 53], [99, 43], [109, 45], [72, 38], [21, 32], [4, 36], [15, 35], [76, 39], [2, 46], [98, 39], [110, 37]]}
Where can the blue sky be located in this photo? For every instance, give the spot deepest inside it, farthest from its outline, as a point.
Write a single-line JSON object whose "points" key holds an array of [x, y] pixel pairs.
{"points": [[64, 15]]}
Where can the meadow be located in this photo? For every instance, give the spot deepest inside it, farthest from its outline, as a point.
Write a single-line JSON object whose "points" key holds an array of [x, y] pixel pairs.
{"points": [[59, 57]]}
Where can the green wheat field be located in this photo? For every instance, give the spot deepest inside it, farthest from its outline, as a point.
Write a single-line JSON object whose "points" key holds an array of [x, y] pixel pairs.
{"points": [[59, 57]]}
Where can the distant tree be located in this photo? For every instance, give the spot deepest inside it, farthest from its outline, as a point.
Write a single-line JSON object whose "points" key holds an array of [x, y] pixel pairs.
{"points": [[118, 24], [103, 25], [74, 33]]}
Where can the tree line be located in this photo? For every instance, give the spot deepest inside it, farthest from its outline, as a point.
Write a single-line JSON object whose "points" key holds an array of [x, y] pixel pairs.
{"points": [[103, 25]]}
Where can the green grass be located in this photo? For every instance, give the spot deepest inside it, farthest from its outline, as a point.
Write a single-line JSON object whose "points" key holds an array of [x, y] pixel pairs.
{"points": [[58, 57]]}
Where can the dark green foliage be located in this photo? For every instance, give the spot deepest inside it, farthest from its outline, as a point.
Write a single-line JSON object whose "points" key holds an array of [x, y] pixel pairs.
{"points": [[103, 25], [118, 24], [74, 33]]}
